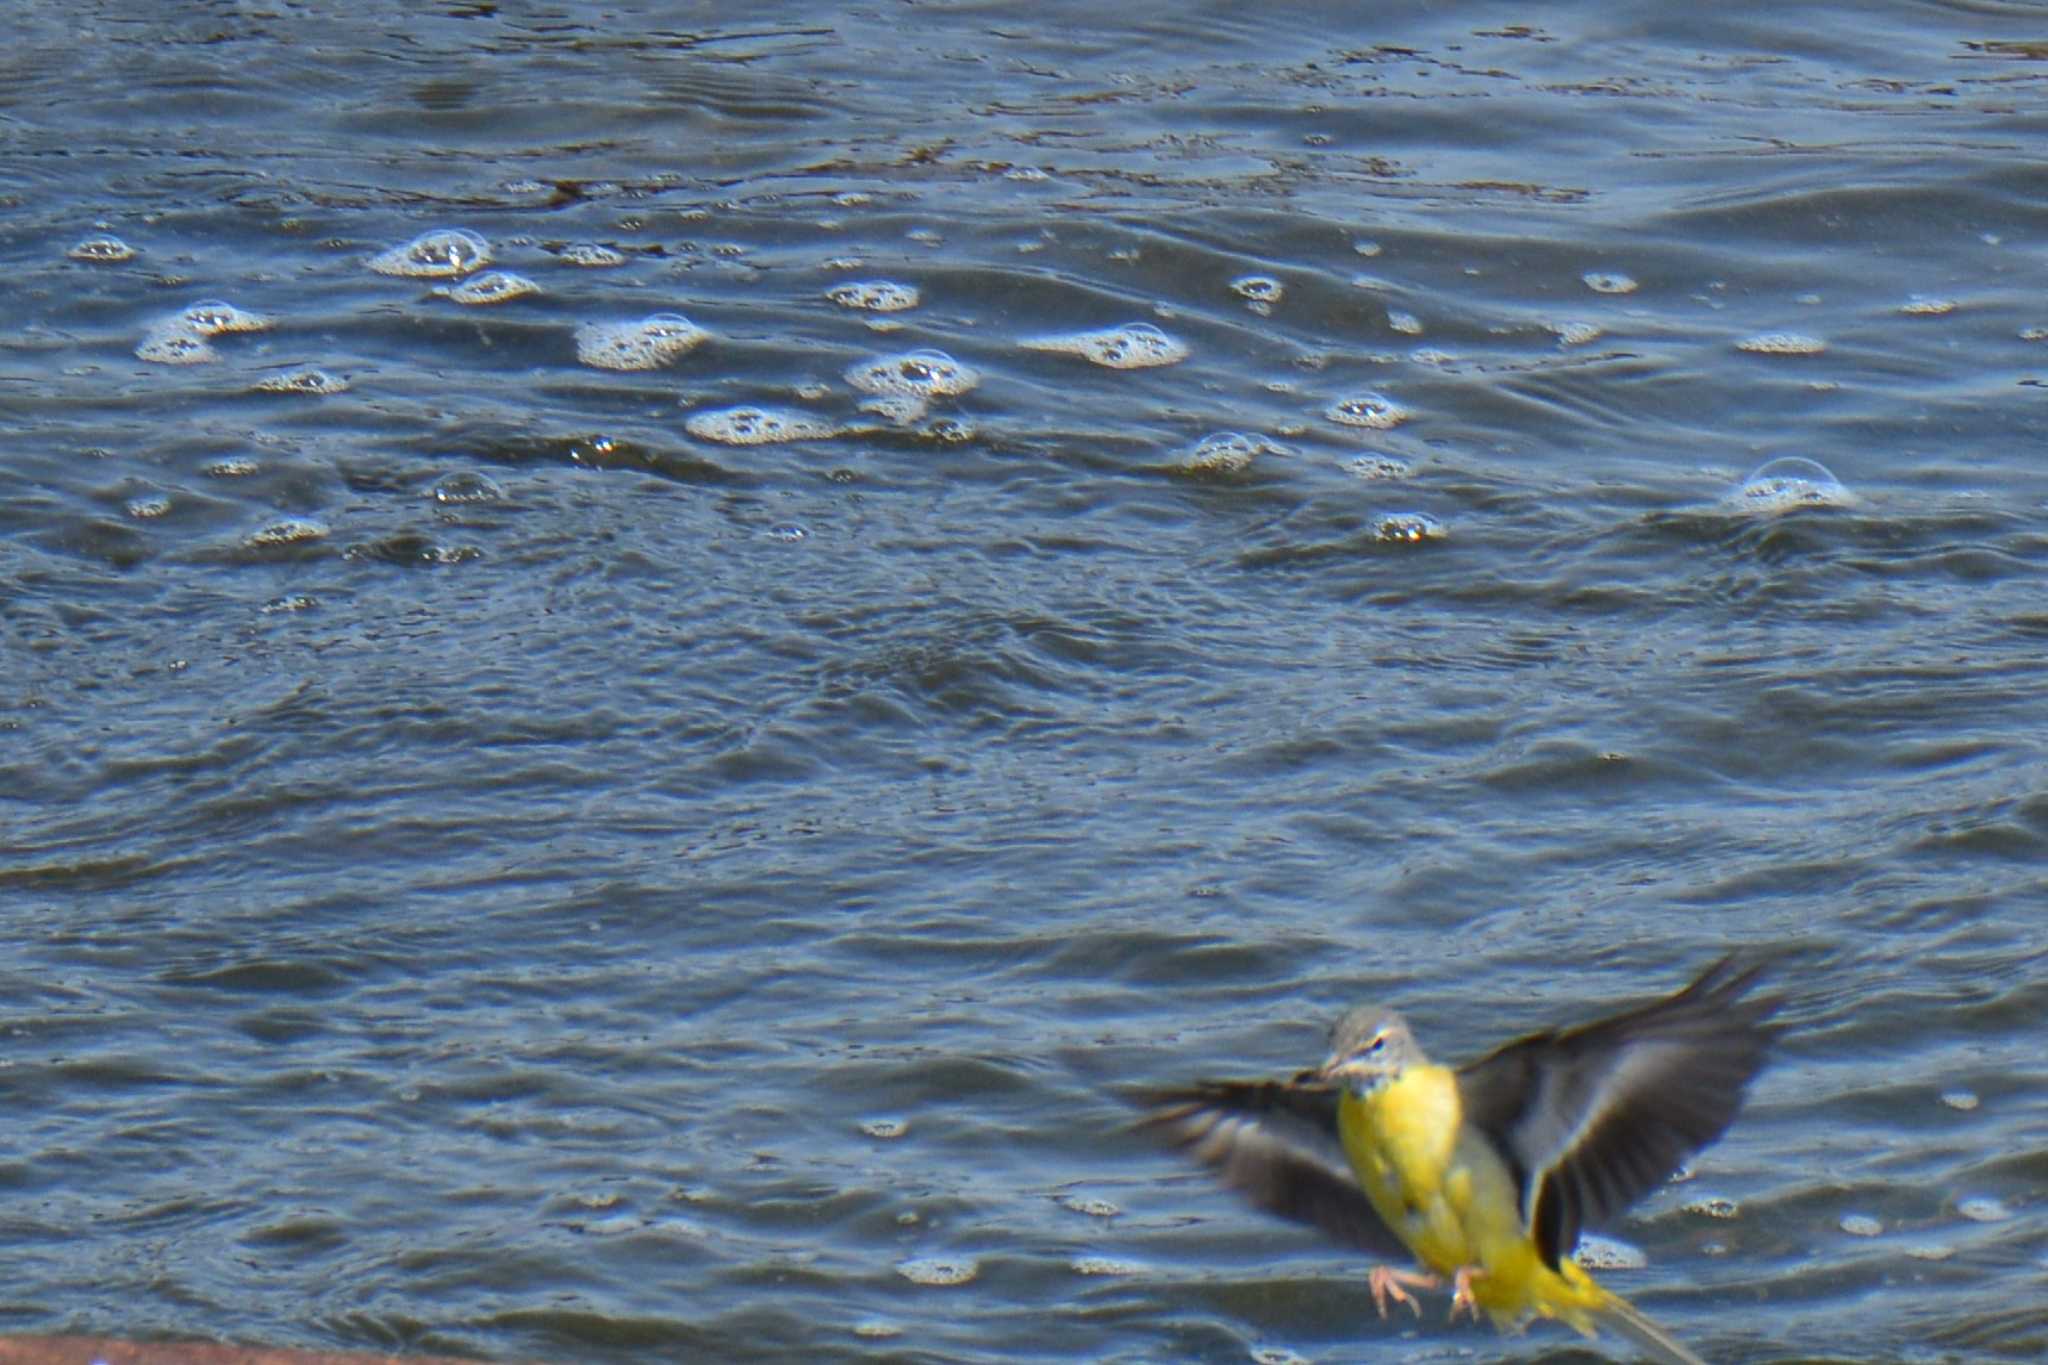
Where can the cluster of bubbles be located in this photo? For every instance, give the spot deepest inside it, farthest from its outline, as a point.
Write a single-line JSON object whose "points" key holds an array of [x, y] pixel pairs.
{"points": [[186, 338], [647, 344], [1781, 343], [934, 1270], [443, 254], [1604, 282], [1407, 528], [1371, 410], [462, 486], [1229, 452], [1133, 346], [752, 426], [304, 379], [1575, 333], [1792, 481], [874, 296], [102, 248], [590, 255], [1262, 293], [1919, 306], [285, 532], [493, 286], [901, 388]]}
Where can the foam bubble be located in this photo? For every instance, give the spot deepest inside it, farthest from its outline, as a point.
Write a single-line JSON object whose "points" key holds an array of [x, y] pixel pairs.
{"points": [[644, 345], [1277, 1355], [102, 248], [232, 467], [1133, 346], [1373, 410], [1408, 528], [1104, 1265], [1712, 1206], [1860, 1225], [213, 317], [1792, 481], [171, 342], [1229, 452], [591, 255], [899, 408], [750, 426], [1574, 333], [181, 339], [493, 286], [1405, 323], [1604, 1253], [1781, 343], [950, 431], [1959, 1099], [1094, 1208], [1605, 283], [305, 379], [441, 254], [148, 506], [287, 531], [465, 486], [920, 374], [1373, 468], [875, 296], [1920, 306], [1984, 1209], [1259, 289], [936, 1270]]}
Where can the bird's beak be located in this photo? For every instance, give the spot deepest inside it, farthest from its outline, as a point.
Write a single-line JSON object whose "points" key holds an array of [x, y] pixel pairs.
{"points": [[1361, 1075]]}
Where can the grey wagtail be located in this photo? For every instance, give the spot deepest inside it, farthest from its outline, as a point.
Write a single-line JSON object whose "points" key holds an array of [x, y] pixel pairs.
{"points": [[1487, 1172]]}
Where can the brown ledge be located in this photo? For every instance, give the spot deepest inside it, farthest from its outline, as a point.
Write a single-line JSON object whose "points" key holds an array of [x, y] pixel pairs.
{"points": [[114, 1351]]}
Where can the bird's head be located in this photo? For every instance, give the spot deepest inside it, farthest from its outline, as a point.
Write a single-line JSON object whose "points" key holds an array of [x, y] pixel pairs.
{"points": [[1369, 1047]]}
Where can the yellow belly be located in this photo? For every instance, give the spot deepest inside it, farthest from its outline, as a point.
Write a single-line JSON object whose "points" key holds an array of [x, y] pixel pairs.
{"points": [[1443, 1189]]}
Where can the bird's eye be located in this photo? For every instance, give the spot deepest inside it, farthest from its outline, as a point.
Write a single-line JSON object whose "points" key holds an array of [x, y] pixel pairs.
{"points": [[1378, 1043]]}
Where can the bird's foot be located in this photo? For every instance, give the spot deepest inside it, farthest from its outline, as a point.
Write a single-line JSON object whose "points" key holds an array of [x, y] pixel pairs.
{"points": [[1461, 1291], [1387, 1283]]}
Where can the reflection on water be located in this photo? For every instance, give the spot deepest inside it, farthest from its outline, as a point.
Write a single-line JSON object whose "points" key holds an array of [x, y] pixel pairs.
{"points": [[644, 654]]}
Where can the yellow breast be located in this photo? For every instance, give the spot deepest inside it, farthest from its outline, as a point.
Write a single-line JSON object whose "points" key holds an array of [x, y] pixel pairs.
{"points": [[1403, 1143], [1450, 1197]]}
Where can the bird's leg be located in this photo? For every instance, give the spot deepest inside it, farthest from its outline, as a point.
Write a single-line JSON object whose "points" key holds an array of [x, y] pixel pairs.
{"points": [[1386, 1283], [1461, 1291]]}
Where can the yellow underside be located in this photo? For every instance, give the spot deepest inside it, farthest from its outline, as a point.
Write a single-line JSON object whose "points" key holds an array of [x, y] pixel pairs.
{"points": [[1448, 1195]]}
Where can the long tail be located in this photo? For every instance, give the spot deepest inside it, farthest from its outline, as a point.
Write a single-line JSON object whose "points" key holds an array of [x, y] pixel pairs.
{"points": [[1622, 1318]]}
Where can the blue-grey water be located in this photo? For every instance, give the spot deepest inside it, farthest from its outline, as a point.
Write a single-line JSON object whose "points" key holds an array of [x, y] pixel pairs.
{"points": [[490, 864]]}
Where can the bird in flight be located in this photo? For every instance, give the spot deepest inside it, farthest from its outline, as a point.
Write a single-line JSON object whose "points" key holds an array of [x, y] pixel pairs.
{"points": [[1487, 1172]]}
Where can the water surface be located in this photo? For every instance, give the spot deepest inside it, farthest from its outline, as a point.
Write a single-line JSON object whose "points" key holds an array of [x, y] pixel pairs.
{"points": [[500, 861]]}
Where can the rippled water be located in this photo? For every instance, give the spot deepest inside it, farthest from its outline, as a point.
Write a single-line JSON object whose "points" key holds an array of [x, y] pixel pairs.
{"points": [[1136, 528]]}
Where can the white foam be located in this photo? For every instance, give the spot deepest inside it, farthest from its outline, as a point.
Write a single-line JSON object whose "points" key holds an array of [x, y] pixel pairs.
{"points": [[919, 374], [644, 345], [441, 254], [751, 426], [1133, 346]]}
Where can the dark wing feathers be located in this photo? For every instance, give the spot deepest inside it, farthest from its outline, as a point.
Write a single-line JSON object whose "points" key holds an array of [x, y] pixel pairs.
{"points": [[1276, 1144], [1593, 1118]]}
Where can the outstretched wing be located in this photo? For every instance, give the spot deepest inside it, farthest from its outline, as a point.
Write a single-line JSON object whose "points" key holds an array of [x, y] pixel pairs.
{"points": [[1275, 1143], [1593, 1118]]}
